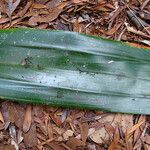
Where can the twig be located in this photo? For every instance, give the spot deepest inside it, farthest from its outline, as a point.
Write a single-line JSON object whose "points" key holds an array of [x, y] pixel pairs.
{"points": [[138, 19], [144, 4], [130, 29]]}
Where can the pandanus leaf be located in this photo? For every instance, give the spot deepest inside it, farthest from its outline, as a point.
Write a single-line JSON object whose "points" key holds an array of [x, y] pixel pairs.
{"points": [[68, 69]]}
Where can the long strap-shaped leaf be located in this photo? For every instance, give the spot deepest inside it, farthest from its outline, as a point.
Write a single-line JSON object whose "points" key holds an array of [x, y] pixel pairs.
{"points": [[73, 70]]}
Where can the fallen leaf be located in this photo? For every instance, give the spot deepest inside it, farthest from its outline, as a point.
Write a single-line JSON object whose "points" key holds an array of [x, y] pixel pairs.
{"points": [[1, 117], [138, 131], [53, 14], [55, 146], [7, 147], [19, 116], [58, 130], [50, 131], [73, 143], [146, 139], [55, 119], [131, 29], [11, 6], [30, 138], [67, 134], [78, 1], [116, 136], [103, 6], [53, 3], [99, 136], [8, 111], [114, 29], [112, 146], [27, 119], [84, 131], [124, 121], [38, 6], [24, 10], [130, 131]]}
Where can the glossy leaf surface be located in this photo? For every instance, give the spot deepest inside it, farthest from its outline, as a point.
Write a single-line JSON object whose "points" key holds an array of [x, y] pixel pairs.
{"points": [[73, 70]]}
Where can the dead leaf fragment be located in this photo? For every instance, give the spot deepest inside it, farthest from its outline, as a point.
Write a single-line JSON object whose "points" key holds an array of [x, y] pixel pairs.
{"points": [[84, 131], [1, 117], [27, 119], [11, 6], [30, 138], [114, 29], [73, 143], [99, 135], [67, 134], [52, 15], [78, 1], [146, 139], [130, 131]]}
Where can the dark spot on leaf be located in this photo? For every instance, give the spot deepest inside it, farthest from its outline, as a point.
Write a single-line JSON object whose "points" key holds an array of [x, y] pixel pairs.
{"points": [[60, 94]]}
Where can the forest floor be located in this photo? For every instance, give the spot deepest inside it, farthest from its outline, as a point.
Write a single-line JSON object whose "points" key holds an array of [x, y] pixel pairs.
{"points": [[25, 126]]}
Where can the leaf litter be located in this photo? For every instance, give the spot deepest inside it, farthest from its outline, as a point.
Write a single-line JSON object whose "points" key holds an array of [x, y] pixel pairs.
{"points": [[41, 127]]}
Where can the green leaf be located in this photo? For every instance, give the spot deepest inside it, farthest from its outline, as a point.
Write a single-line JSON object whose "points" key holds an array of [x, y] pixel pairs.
{"points": [[73, 70]]}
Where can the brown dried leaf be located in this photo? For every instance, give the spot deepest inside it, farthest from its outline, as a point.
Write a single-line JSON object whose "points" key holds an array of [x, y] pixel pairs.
{"points": [[1, 117], [38, 6], [50, 131], [67, 134], [138, 145], [55, 119], [19, 116], [130, 131], [55, 146], [11, 6], [8, 112], [146, 139], [76, 26], [84, 128], [78, 1], [7, 147], [114, 29], [112, 146], [138, 132], [27, 119], [110, 129], [30, 138], [53, 3], [73, 143], [131, 29], [144, 4], [21, 13], [103, 6], [124, 121], [52, 15], [99, 136]]}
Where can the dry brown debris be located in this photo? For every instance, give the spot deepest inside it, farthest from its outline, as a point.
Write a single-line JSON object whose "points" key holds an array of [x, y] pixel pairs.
{"points": [[41, 127]]}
